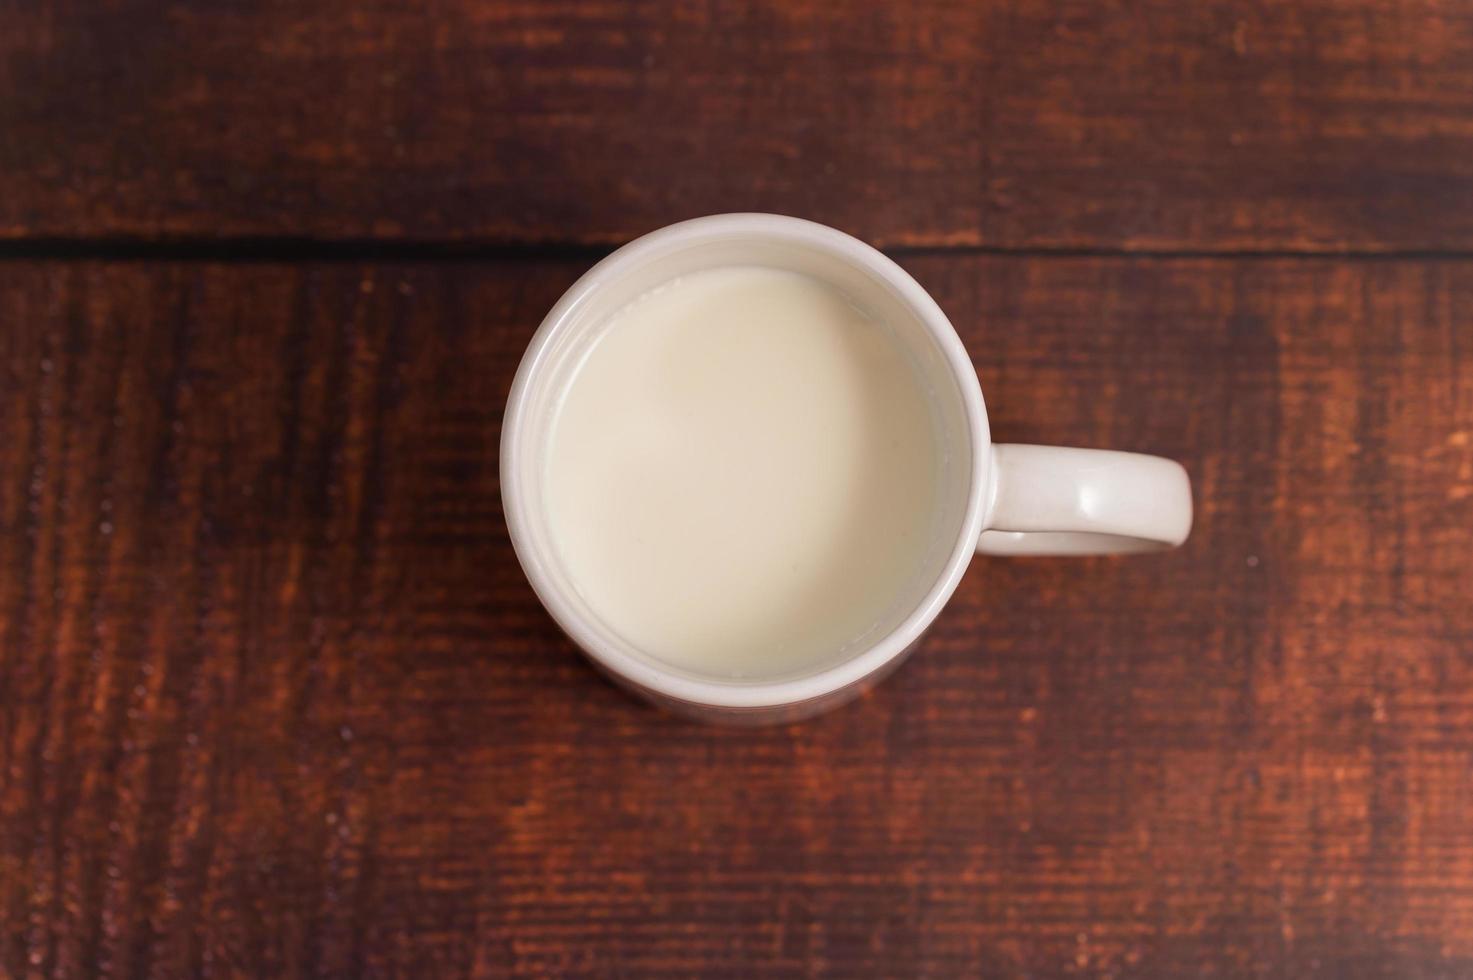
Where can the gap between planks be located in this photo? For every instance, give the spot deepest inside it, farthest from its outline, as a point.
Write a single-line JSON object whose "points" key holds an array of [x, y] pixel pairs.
{"points": [[286, 249]]}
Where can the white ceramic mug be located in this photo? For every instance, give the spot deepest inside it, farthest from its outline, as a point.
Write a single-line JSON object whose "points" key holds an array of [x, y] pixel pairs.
{"points": [[1001, 499]]}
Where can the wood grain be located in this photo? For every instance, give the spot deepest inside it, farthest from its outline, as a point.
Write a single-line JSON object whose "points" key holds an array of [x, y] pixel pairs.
{"points": [[278, 701], [1219, 125]]}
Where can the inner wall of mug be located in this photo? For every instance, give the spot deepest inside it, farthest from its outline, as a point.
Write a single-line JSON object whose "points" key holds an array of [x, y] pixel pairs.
{"points": [[580, 329]]}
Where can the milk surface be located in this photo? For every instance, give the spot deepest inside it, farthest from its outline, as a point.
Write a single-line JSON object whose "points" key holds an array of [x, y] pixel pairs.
{"points": [[742, 472]]}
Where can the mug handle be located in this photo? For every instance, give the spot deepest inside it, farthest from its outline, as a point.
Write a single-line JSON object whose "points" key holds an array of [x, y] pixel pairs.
{"points": [[1051, 500]]}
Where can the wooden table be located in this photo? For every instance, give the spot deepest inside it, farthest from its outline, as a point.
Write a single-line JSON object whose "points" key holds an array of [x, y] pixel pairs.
{"points": [[276, 700]]}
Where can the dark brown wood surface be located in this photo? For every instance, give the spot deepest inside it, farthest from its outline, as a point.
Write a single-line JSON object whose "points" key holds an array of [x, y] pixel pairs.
{"points": [[276, 700], [280, 702], [1319, 124]]}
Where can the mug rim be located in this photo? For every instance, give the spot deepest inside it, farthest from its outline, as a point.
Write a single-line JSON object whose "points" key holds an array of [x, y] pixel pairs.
{"points": [[716, 692]]}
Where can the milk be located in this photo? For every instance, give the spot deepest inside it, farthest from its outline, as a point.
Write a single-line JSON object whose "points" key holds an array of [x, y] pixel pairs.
{"points": [[742, 472]]}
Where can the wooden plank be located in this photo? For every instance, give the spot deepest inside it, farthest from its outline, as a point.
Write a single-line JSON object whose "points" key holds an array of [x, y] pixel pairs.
{"points": [[1219, 125], [277, 701]]}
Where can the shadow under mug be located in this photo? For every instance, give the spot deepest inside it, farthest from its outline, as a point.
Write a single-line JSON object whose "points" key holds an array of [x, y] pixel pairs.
{"points": [[995, 499]]}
